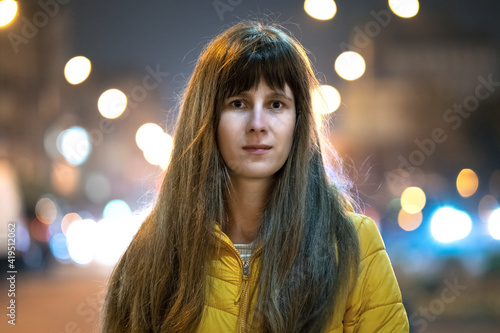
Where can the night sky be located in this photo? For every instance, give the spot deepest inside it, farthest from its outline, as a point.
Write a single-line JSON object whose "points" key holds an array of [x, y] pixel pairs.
{"points": [[171, 34]]}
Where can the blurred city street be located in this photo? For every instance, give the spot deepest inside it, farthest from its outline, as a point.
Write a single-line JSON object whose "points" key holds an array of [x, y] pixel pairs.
{"points": [[65, 299], [89, 98]]}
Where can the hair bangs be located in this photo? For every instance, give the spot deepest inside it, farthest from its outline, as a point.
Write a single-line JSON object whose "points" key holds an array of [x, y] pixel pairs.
{"points": [[265, 56]]}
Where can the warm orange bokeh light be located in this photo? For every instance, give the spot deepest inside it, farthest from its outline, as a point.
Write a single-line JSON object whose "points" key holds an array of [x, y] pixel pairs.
{"points": [[467, 183], [413, 200], [409, 221]]}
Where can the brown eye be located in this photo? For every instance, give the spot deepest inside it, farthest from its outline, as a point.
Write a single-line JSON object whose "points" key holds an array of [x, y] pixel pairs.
{"points": [[276, 105], [237, 104]]}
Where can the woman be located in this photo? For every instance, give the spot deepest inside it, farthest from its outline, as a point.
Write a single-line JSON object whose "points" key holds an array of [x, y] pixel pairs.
{"points": [[248, 233]]}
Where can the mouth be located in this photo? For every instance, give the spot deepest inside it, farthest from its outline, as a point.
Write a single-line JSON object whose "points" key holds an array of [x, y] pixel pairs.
{"points": [[257, 149]]}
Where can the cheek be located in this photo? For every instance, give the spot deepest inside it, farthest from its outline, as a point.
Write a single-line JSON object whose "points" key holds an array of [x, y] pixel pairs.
{"points": [[290, 130], [224, 135]]}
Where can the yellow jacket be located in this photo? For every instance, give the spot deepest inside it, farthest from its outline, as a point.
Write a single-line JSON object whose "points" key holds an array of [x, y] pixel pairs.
{"points": [[374, 305]]}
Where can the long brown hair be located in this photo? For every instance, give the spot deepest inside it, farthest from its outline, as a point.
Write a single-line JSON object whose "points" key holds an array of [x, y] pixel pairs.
{"points": [[310, 248]]}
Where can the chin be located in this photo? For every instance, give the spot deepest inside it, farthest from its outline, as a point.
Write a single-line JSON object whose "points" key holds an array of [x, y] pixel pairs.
{"points": [[256, 174]]}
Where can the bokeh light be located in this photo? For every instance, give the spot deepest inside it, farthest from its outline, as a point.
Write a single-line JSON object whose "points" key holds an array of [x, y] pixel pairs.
{"points": [[39, 230], [449, 224], [97, 187], [8, 10], [404, 8], [326, 99], [10, 194], [64, 178], [467, 183], [413, 200], [68, 219], [59, 248], [116, 209], [320, 9], [46, 210], [159, 154], [494, 224], [77, 69], [113, 237], [409, 221], [23, 241], [155, 144], [350, 65], [50, 141], [486, 206], [147, 135], [74, 145], [81, 241], [112, 103]]}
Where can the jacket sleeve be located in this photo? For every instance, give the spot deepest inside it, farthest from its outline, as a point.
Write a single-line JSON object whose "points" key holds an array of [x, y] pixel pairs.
{"points": [[375, 303]]}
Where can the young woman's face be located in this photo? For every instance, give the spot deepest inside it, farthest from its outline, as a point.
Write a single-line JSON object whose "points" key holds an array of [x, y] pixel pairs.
{"points": [[255, 131]]}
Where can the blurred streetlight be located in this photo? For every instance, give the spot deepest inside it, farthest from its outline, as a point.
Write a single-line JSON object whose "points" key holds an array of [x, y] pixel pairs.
{"points": [[8, 10], [486, 206], [449, 224], [350, 65], [46, 210], [467, 183], [155, 144], [112, 103], [320, 9], [74, 145], [116, 209], [413, 200], [80, 237], [77, 69], [326, 99], [404, 8], [67, 220], [494, 224], [409, 221]]}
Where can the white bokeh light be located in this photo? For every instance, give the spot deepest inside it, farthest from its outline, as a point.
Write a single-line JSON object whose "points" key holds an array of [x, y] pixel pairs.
{"points": [[74, 145], [326, 99], [116, 209], [77, 69], [113, 237], [148, 135], [350, 65], [97, 187], [81, 241], [155, 144], [320, 9], [112, 103], [8, 10], [449, 224], [404, 8], [494, 224]]}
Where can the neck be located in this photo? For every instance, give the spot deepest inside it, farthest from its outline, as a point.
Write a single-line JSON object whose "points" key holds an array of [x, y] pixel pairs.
{"points": [[246, 204]]}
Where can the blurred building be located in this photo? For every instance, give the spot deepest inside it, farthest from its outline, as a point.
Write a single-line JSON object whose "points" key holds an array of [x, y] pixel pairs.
{"points": [[37, 104], [416, 111]]}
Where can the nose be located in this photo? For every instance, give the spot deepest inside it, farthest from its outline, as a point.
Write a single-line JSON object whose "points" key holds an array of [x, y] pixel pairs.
{"points": [[258, 121]]}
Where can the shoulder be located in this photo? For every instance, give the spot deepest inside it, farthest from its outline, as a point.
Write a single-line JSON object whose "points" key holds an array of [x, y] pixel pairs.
{"points": [[375, 303], [370, 241]]}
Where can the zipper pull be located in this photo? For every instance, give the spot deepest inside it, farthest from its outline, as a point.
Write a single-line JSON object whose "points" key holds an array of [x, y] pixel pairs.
{"points": [[245, 268], [244, 279]]}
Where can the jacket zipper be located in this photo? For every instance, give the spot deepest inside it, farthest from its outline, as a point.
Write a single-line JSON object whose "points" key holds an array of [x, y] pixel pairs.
{"points": [[243, 292]]}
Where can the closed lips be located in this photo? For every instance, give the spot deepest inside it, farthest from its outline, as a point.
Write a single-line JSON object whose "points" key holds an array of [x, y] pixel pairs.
{"points": [[257, 147]]}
